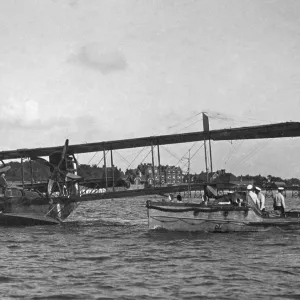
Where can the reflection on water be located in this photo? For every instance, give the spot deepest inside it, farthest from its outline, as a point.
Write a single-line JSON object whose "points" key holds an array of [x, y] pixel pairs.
{"points": [[105, 251]]}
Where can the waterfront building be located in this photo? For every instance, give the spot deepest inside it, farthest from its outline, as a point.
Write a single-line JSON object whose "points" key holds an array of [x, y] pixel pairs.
{"points": [[166, 175]]}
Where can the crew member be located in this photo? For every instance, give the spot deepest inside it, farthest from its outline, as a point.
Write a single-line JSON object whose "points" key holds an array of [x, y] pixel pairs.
{"points": [[261, 198], [3, 183], [251, 196], [279, 203]]}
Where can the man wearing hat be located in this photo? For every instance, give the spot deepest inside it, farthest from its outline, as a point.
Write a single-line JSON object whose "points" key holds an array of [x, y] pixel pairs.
{"points": [[261, 198], [251, 196], [279, 203], [3, 183]]}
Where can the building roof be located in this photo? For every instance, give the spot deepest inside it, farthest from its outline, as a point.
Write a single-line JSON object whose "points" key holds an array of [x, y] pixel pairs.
{"points": [[225, 178]]}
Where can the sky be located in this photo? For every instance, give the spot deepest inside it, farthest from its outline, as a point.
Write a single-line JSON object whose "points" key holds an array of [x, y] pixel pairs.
{"points": [[95, 71]]}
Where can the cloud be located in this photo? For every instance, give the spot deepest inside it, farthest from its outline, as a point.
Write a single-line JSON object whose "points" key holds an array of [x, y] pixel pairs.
{"points": [[71, 3], [26, 115], [104, 60], [18, 112]]}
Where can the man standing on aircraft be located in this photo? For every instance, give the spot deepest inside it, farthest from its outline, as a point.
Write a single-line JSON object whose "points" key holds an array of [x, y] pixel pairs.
{"points": [[261, 198], [3, 183], [279, 203]]}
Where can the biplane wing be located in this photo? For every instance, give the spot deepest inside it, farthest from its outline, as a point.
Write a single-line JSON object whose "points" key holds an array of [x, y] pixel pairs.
{"points": [[278, 130]]}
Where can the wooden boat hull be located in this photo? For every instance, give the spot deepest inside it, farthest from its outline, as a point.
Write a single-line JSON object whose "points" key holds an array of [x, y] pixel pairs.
{"points": [[214, 218]]}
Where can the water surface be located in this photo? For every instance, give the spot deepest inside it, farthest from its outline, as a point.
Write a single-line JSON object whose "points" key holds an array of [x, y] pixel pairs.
{"points": [[105, 251]]}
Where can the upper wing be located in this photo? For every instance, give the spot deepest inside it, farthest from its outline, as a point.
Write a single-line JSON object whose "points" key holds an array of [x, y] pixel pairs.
{"points": [[279, 130]]}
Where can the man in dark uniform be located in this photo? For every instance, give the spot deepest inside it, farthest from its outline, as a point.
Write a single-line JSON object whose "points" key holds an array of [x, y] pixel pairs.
{"points": [[279, 202], [3, 183]]}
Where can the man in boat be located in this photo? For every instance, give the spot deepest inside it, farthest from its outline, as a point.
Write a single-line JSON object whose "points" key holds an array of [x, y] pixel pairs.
{"points": [[3, 183], [261, 198], [251, 197], [279, 202]]}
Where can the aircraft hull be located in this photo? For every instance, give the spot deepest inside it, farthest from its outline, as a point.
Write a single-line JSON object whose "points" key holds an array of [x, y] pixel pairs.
{"points": [[27, 211], [214, 218], [20, 219]]}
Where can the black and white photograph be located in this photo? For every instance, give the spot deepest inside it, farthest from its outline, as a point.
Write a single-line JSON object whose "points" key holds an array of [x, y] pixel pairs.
{"points": [[150, 149]]}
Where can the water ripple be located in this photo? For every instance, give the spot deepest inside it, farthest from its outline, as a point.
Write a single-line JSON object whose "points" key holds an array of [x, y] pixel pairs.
{"points": [[105, 251]]}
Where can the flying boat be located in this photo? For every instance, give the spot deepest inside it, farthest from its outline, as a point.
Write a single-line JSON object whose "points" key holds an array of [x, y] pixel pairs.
{"points": [[52, 202]]}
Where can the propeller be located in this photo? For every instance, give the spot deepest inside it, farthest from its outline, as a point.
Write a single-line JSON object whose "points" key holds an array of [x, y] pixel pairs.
{"points": [[58, 175], [54, 177], [64, 153]]}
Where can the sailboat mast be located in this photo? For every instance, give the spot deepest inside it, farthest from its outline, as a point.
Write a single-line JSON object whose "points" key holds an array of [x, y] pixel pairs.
{"points": [[31, 173], [159, 172], [211, 166], [105, 169], [205, 154], [22, 171], [112, 168], [153, 169], [189, 175], [206, 129]]}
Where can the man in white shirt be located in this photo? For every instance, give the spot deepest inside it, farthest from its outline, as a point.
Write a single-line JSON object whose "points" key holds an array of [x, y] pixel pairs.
{"points": [[261, 198], [251, 196]]}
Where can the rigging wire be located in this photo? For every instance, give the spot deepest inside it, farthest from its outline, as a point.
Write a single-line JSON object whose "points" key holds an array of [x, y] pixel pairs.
{"points": [[248, 155], [186, 153], [146, 156], [122, 157], [179, 159], [230, 150], [170, 152], [101, 159], [233, 119], [228, 117], [193, 156], [181, 122], [137, 157], [259, 147], [231, 153], [93, 157], [266, 143], [187, 126], [197, 114]]}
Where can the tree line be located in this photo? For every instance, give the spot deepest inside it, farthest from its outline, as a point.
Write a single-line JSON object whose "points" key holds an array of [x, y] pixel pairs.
{"points": [[40, 172]]}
